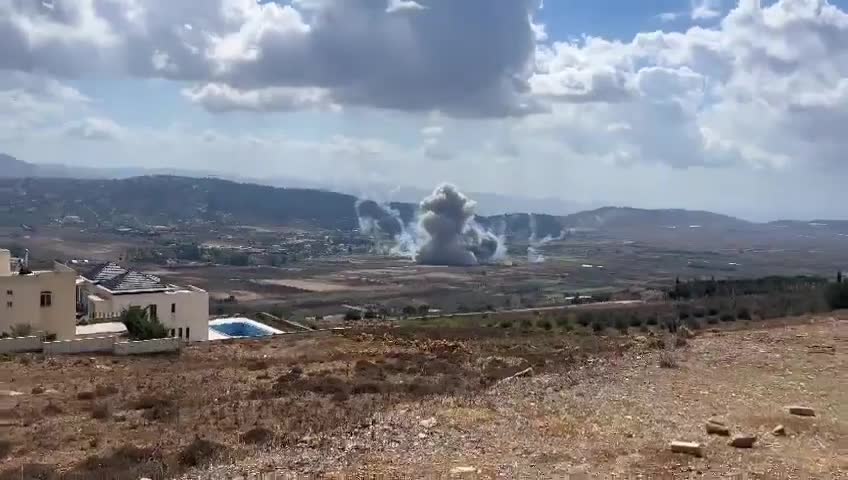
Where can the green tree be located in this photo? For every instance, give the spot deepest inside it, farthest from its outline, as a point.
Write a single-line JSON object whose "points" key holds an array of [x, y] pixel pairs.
{"points": [[141, 325]]}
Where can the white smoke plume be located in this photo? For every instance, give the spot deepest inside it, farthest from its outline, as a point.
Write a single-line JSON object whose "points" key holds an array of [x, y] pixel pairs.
{"points": [[386, 226], [451, 236], [444, 233], [534, 255]]}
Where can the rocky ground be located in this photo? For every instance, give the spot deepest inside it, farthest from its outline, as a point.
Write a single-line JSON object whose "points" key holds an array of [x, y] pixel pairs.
{"points": [[419, 403]]}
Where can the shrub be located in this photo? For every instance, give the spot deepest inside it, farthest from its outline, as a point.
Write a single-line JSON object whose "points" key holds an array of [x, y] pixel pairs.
{"points": [[101, 411], [585, 319], [728, 317], [712, 320], [837, 295], [506, 324], [563, 321], [52, 409], [667, 359], [621, 324], [545, 324], [598, 326], [257, 436], [683, 315], [743, 314], [105, 390], [568, 327], [653, 320], [21, 330], [255, 364], [141, 325], [5, 448], [86, 395], [693, 324], [200, 452], [671, 324], [526, 324], [713, 312], [635, 321], [353, 315], [699, 313]]}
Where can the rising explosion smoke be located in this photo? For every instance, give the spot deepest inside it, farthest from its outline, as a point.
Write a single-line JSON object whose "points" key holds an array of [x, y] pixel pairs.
{"points": [[445, 232]]}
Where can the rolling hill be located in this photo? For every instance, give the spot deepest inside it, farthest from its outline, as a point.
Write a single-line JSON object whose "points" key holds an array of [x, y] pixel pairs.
{"points": [[30, 195]]}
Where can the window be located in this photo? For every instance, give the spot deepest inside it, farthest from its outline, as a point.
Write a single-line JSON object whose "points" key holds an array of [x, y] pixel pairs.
{"points": [[181, 332], [187, 333], [9, 292], [173, 308], [8, 304], [173, 332], [46, 299]]}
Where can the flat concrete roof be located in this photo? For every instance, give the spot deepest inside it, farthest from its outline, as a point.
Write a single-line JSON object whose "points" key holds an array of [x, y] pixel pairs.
{"points": [[101, 328]]}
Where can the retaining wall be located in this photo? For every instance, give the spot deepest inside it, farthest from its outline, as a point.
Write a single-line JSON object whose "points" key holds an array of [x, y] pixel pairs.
{"points": [[148, 346], [84, 345], [20, 344]]}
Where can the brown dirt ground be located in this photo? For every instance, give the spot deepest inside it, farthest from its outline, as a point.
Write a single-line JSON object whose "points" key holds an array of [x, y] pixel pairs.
{"points": [[422, 402]]}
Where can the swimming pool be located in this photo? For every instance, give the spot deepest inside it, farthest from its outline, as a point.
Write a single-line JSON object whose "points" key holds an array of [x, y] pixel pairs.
{"points": [[239, 328]]}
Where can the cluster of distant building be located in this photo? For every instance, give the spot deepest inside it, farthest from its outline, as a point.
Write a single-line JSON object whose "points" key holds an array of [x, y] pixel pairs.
{"points": [[73, 303]]}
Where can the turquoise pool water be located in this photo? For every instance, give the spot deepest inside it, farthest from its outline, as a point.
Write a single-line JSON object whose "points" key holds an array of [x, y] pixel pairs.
{"points": [[241, 329]]}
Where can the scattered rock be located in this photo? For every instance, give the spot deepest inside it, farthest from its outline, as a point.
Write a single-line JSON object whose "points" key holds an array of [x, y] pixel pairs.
{"points": [[527, 372], [690, 448], [743, 441], [428, 422], [716, 428], [37, 390], [802, 411], [779, 431], [257, 436], [459, 470]]}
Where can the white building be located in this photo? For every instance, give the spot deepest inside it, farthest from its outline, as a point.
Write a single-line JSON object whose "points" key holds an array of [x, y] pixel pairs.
{"points": [[42, 299], [106, 290]]}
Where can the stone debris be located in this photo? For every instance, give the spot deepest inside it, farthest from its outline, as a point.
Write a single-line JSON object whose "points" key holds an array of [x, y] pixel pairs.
{"points": [[461, 470], [802, 411], [779, 431], [715, 427], [691, 448], [428, 422], [743, 441]]}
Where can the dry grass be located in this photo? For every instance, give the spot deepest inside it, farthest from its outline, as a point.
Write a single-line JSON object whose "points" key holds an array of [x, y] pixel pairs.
{"points": [[352, 405]]}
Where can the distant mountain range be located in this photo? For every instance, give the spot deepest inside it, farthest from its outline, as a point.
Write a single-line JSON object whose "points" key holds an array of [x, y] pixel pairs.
{"points": [[39, 194], [487, 203]]}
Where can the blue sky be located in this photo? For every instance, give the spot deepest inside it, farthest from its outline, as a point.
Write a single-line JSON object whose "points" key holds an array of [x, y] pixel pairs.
{"points": [[709, 104]]}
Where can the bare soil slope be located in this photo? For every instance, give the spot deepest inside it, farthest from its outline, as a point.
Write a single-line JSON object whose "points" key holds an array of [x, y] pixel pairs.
{"points": [[413, 403]]}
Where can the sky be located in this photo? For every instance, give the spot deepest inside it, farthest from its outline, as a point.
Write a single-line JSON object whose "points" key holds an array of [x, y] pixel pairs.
{"points": [[738, 107]]}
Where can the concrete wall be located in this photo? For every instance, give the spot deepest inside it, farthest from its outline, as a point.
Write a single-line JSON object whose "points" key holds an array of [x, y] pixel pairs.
{"points": [[190, 309], [87, 345], [148, 346], [20, 301], [20, 344], [5, 262]]}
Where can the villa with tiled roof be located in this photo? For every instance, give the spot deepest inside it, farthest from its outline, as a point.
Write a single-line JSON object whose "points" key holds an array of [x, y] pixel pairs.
{"points": [[105, 290]]}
